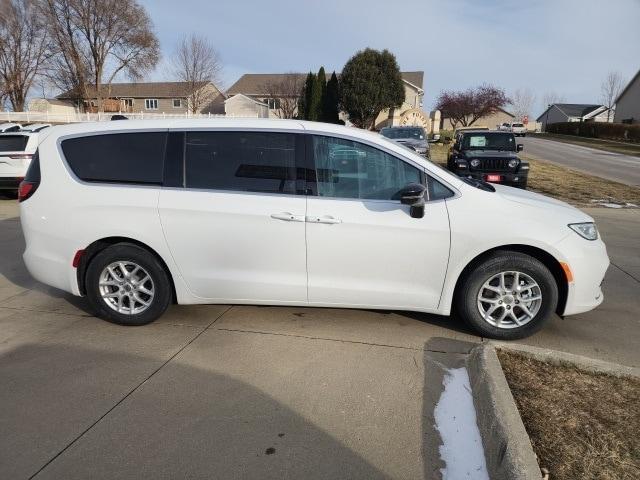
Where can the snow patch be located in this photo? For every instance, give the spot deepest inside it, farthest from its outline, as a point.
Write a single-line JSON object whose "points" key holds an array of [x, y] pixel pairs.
{"points": [[455, 417]]}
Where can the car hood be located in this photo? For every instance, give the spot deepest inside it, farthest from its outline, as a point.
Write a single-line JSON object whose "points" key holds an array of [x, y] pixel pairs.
{"points": [[551, 206], [489, 154], [412, 142]]}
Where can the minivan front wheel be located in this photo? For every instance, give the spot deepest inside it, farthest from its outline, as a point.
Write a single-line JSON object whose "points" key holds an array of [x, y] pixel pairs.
{"points": [[508, 296], [127, 285]]}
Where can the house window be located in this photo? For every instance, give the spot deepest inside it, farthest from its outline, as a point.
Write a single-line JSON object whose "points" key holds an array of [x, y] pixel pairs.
{"points": [[177, 103], [127, 103], [151, 104], [274, 103]]}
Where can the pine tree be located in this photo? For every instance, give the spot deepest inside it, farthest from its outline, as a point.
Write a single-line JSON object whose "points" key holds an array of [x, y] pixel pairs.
{"points": [[321, 94], [330, 108], [305, 103]]}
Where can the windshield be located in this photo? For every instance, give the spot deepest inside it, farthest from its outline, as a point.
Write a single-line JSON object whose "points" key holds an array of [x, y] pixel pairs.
{"points": [[488, 141], [415, 133]]}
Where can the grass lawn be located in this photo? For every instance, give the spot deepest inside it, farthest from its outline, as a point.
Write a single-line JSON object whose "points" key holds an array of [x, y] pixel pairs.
{"points": [[565, 184], [582, 425], [606, 145]]}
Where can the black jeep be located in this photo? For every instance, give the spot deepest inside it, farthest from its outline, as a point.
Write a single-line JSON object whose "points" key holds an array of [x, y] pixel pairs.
{"points": [[491, 156]]}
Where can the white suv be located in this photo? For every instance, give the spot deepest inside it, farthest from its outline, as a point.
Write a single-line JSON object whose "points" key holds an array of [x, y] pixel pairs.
{"points": [[518, 129], [16, 151], [137, 215]]}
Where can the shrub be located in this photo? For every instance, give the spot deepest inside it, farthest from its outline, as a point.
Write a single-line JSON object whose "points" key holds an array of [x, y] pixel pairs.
{"points": [[607, 131]]}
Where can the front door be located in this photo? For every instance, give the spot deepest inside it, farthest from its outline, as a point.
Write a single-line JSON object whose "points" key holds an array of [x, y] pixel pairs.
{"points": [[363, 247], [235, 226]]}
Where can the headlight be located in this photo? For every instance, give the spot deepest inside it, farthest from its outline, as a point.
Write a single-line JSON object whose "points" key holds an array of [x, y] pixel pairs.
{"points": [[513, 163], [586, 230], [475, 163]]}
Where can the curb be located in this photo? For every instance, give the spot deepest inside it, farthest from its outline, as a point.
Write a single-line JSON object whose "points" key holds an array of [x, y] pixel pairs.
{"points": [[507, 447], [555, 357]]}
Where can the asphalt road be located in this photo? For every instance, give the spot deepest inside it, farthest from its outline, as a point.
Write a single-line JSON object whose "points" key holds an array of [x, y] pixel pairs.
{"points": [[612, 166], [251, 392]]}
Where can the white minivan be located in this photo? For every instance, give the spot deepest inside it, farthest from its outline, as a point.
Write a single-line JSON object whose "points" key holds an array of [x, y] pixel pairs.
{"points": [[136, 215]]}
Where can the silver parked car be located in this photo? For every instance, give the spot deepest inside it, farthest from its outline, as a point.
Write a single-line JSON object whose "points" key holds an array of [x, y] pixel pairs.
{"points": [[414, 138]]}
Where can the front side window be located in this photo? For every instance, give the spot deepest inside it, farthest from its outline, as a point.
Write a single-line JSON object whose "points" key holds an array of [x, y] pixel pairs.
{"points": [[118, 158], [348, 169], [241, 161], [151, 104]]}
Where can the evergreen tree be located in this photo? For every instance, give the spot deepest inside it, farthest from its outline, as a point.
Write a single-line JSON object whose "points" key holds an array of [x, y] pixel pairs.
{"points": [[322, 92], [304, 103], [330, 107], [370, 82]]}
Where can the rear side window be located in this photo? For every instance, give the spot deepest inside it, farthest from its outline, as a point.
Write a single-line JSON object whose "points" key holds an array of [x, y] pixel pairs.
{"points": [[118, 158], [241, 161], [13, 143]]}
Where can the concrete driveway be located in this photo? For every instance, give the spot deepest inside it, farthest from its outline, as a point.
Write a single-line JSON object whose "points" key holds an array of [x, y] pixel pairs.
{"points": [[612, 166], [250, 392]]}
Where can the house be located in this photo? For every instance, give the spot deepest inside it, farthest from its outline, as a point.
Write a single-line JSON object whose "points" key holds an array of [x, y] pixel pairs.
{"points": [[573, 112], [628, 102], [492, 121], [51, 105], [152, 97], [240, 105], [273, 89]]}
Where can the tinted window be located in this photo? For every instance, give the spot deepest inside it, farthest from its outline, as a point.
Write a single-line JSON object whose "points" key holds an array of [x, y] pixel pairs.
{"points": [[348, 169], [120, 158], [438, 191], [13, 143], [241, 161], [33, 172]]}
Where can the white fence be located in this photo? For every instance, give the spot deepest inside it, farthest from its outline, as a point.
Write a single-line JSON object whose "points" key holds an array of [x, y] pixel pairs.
{"points": [[46, 117]]}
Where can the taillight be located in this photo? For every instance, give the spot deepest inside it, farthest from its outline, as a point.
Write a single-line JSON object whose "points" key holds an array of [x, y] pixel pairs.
{"points": [[25, 190], [31, 181]]}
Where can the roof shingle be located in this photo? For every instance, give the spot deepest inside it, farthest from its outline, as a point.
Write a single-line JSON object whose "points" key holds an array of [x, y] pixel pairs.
{"points": [[253, 83], [141, 90]]}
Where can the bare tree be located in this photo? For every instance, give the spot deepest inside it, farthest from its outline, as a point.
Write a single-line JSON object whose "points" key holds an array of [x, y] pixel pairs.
{"points": [[197, 63], [97, 40], [522, 101], [549, 98], [467, 106], [610, 89], [285, 94], [24, 49]]}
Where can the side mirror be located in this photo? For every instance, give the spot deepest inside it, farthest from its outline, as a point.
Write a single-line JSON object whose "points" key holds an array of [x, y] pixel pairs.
{"points": [[413, 195], [519, 147]]}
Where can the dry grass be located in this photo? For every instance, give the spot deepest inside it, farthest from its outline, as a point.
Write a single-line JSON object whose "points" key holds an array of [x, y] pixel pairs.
{"points": [[581, 425], [565, 184], [598, 144], [576, 187]]}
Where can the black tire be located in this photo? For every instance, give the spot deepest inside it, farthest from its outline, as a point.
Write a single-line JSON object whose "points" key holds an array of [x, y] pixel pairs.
{"points": [[127, 252], [466, 302]]}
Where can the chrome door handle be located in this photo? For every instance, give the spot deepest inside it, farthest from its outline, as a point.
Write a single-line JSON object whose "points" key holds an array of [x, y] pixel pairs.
{"points": [[287, 217], [325, 219]]}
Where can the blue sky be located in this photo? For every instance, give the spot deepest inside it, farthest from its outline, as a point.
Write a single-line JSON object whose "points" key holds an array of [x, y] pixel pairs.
{"points": [[564, 46]]}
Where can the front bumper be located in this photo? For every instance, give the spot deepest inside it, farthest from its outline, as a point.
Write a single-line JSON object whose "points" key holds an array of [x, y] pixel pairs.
{"points": [[588, 261], [10, 183], [505, 178]]}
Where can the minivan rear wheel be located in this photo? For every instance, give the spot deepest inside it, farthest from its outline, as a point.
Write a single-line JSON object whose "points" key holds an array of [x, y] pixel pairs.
{"points": [[509, 295], [126, 284]]}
